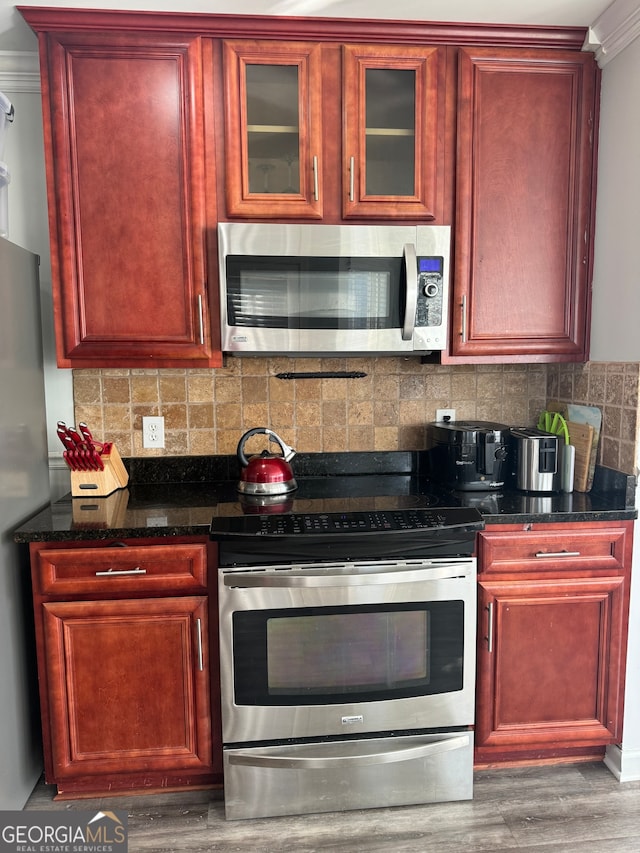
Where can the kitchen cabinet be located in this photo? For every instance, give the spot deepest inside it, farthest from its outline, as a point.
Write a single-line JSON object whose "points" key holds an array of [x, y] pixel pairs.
{"points": [[304, 141], [158, 128], [526, 149], [273, 128], [125, 157], [553, 608], [125, 658]]}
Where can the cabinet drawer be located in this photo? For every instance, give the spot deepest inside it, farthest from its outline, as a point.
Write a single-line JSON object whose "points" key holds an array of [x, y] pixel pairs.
{"points": [[544, 551], [148, 569]]}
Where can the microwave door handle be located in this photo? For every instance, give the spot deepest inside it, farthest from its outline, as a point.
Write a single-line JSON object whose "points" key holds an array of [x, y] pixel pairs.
{"points": [[411, 295]]}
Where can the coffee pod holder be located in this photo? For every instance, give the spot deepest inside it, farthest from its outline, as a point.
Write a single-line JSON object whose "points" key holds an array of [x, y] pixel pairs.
{"points": [[100, 484]]}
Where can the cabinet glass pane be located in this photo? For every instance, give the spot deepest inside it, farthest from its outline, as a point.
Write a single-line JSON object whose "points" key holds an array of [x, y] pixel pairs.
{"points": [[390, 131], [273, 128]]}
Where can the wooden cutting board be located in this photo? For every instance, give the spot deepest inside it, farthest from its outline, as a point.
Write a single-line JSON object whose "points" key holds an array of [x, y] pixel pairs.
{"points": [[581, 436], [588, 415]]}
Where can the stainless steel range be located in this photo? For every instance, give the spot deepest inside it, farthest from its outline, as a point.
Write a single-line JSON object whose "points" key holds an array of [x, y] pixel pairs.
{"points": [[347, 652]]}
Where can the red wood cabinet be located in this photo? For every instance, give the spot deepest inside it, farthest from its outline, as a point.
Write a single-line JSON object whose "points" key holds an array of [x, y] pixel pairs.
{"points": [[394, 141], [305, 140], [125, 658], [552, 624], [273, 129], [526, 146], [158, 127], [125, 156]]}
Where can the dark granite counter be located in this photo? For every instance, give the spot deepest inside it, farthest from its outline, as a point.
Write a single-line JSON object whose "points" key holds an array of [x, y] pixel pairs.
{"points": [[178, 496]]}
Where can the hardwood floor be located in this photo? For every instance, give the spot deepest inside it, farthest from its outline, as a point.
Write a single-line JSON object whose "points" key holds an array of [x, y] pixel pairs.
{"points": [[578, 808]]}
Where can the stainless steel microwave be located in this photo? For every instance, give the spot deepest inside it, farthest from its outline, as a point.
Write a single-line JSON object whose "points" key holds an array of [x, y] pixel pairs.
{"points": [[305, 290]]}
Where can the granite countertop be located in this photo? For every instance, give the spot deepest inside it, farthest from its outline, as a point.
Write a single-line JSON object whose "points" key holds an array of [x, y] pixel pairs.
{"points": [[178, 496]]}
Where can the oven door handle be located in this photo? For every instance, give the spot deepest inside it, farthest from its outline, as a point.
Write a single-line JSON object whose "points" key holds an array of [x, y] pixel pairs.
{"points": [[372, 576], [356, 759]]}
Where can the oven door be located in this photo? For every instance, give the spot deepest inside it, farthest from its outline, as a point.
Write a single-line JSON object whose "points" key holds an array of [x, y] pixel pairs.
{"points": [[346, 649]]}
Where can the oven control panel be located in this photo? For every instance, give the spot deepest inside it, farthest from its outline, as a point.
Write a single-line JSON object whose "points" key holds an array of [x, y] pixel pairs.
{"points": [[374, 521]]}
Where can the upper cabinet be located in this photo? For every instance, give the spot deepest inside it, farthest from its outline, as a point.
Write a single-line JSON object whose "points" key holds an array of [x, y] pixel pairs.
{"points": [[158, 127], [393, 113], [273, 129], [305, 140], [126, 175], [526, 129]]}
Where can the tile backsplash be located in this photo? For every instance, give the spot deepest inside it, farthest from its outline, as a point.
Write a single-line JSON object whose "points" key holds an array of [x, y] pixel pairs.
{"points": [[613, 387], [207, 411]]}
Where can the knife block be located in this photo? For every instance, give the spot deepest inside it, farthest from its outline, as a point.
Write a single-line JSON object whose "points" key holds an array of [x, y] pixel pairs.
{"points": [[100, 484]]}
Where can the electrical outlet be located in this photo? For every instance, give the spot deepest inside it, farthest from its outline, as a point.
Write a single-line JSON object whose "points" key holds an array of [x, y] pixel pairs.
{"points": [[153, 432], [445, 414]]}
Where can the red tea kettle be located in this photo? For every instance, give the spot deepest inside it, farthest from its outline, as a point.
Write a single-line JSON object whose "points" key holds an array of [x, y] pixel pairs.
{"points": [[266, 474]]}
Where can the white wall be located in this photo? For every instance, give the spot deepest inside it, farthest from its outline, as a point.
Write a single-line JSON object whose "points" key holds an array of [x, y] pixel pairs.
{"points": [[615, 333]]}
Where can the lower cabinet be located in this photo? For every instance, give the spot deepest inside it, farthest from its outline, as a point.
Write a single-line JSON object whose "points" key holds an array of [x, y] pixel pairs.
{"points": [[552, 623], [124, 659]]}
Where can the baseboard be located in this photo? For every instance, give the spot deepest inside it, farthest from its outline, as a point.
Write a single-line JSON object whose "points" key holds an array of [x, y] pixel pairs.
{"points": [[624, 764]]}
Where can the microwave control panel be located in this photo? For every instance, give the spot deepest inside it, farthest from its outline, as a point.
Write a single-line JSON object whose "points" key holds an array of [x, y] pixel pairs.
{"points": [[429, 308]]}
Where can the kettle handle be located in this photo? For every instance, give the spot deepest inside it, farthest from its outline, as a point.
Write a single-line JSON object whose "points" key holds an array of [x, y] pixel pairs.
{"points": [[287, 452]]}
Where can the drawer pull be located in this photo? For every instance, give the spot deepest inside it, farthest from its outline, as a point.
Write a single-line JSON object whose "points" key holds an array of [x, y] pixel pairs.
{"points": [[199, 631], [546, 554], [120, 572]]}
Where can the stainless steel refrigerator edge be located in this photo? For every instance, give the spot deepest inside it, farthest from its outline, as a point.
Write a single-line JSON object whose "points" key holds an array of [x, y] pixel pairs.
{"points": [[24, 489]]}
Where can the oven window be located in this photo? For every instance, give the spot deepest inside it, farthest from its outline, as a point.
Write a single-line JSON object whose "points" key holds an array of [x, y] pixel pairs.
{"points": [[346, 654], [314, 293]]}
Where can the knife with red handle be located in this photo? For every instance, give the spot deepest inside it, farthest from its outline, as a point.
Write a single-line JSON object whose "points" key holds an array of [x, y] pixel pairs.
{"points": [[94, 448], [77, 453], [69, 454], [80, 450], [67, 442]]}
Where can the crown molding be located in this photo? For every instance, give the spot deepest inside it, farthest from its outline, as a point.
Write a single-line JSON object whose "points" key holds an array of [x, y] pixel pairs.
{"points": [[19, 71], [616, 28]]}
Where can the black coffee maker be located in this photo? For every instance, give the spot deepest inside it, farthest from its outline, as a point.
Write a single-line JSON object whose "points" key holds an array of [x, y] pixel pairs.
{"points": [[468, 455]]}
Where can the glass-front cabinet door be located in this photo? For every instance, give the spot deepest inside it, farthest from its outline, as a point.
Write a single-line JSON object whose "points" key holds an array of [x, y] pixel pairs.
{"points": [[273, 129], [393, 112]]}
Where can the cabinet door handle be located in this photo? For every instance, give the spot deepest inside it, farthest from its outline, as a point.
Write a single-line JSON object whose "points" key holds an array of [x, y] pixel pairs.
{"points": [[120, 572], [352, 164], [199, 638], [316, 194], [463, 318], [556, 554], [489, 636], [201, 319]]}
